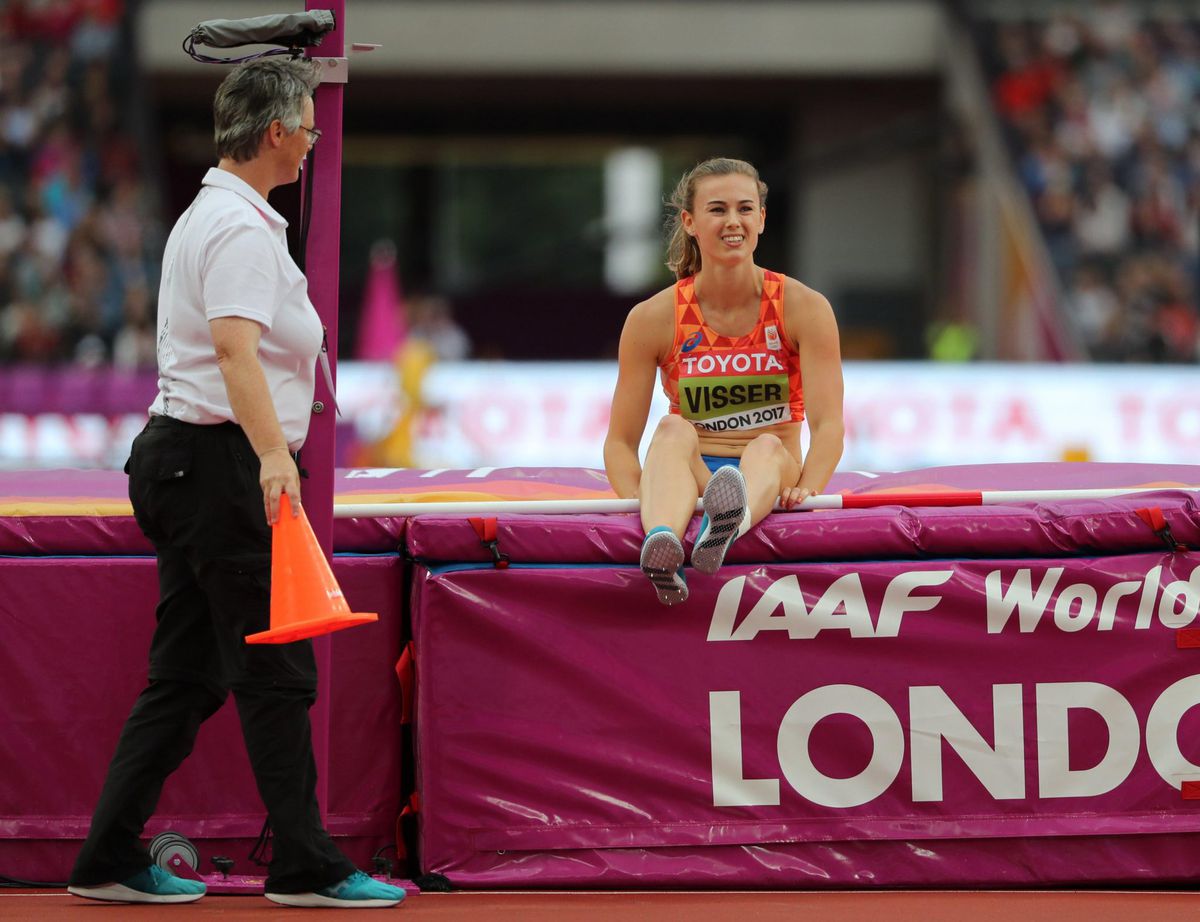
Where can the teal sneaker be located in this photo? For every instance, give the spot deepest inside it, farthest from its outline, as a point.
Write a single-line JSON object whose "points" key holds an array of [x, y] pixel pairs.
{"points": [[152, 885], [662, 562], [358, 891], [725, 505]]}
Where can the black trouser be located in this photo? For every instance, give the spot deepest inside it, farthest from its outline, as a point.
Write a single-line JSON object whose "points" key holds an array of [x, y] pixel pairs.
{"points": [[195, 494]]}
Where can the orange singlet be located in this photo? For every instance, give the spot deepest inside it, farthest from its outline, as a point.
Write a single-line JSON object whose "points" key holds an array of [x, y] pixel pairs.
{"points": [[726, 384]]}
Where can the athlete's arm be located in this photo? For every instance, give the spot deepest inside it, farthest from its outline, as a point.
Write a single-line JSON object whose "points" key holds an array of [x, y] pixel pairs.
{"points": [[642, 345], [813, 328]]}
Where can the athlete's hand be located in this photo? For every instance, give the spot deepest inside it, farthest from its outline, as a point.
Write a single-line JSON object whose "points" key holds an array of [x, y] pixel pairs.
{"points": [[793, 496]]}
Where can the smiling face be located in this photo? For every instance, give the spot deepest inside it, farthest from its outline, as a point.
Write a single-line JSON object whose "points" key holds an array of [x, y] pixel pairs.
{"points": [[726, 219]]}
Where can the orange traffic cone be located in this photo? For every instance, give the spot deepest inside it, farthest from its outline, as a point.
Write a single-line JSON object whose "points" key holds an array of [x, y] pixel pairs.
{"points": [[305, 598]]}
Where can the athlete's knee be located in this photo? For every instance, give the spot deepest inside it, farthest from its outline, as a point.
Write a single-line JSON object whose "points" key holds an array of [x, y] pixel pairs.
{"points": [[766, 447], [675, 430]]}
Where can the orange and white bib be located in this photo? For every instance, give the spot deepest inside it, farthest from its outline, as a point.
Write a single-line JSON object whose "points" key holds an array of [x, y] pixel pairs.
{"points": [[725, 384]]}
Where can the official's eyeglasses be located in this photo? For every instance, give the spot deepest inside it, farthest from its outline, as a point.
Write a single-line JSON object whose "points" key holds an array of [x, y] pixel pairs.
{"points": [[314, 135]]}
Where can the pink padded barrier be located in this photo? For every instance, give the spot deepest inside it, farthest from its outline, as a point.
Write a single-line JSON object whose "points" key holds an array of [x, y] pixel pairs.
{"points": [[884, 697], [76, 632]]}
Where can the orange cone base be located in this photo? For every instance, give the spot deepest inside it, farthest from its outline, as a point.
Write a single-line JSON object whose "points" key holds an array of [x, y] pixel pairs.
{"points": [[314, 627]]}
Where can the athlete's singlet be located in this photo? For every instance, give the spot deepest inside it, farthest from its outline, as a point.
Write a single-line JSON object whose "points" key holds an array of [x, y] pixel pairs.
{"points": [[726, 384]]}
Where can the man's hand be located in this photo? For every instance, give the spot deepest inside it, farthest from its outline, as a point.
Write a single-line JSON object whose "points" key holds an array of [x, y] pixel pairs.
{"points": [[278, 474]]}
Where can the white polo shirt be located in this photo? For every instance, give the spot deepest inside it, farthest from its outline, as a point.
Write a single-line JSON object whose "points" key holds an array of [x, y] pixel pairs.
{"points": [[227, 257]]}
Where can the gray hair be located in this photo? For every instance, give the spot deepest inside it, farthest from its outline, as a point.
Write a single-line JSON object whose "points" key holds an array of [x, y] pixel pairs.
{"points": [[683, 253], [253, 95]]}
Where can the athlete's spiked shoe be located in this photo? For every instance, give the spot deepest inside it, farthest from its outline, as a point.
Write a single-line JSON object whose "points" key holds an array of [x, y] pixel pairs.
{"points": [[725, 506], [662, 562]]}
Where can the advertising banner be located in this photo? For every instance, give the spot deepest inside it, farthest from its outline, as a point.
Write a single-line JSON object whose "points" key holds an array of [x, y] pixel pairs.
{"points": [[787, 706], [899, 415]]}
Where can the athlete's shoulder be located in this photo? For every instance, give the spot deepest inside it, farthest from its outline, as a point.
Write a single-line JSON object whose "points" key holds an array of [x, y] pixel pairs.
{"points": [[805, 310], [802, 301], [797, 295], [658, 307]]}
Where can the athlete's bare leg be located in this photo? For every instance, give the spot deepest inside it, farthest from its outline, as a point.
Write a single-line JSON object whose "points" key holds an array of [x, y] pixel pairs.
{"points": [[671, 480], [767, 467], [738, 498], [672, 476]]}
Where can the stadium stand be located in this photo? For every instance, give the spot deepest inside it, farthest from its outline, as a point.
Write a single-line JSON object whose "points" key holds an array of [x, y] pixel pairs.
{"points": [[79, 236], [1099, 105], [1097, 101]]}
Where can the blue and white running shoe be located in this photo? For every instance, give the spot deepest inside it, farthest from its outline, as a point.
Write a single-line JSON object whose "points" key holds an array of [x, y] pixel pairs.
{"points": [[358, 891], [725, 505], [149, 885]]}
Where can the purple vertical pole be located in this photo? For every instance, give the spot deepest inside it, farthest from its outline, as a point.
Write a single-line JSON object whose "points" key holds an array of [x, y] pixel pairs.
{"points": [[321, 266], [322, 256]]}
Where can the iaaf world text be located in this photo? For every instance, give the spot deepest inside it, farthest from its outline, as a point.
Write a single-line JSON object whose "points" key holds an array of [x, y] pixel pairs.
{"points": [[842, 605]]}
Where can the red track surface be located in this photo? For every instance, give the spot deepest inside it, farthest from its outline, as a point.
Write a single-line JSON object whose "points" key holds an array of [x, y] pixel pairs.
{"points": [[562, 906]]}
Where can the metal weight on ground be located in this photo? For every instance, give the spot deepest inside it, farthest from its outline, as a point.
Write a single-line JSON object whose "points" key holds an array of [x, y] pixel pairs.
{"points": [[169, 850]]}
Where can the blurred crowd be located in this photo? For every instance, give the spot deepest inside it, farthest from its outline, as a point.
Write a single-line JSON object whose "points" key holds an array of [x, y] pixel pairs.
{"points": [[78, 237], [1102, 110], [1101, 105]]}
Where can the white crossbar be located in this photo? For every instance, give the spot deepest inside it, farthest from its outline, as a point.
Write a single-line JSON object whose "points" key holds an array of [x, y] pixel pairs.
{"points": [[824, 501]]}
